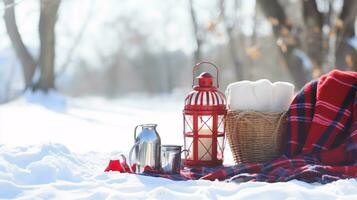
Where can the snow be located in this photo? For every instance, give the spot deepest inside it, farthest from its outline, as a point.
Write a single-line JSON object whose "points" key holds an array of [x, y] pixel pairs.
{"points": [[104, 125], [56, 147]]}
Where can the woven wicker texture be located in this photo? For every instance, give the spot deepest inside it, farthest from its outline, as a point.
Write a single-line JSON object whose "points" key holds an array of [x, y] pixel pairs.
{"points": [[256, 137]]}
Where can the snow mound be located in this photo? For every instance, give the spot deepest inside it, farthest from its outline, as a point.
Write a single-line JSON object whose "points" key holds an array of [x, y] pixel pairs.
{"points": [[9, 189], [55, 147], [52, 100], [39, 164], [52, 171]]}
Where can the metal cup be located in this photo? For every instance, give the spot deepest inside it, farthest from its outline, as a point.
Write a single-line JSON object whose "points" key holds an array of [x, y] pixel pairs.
{"points": [[171, 159]]}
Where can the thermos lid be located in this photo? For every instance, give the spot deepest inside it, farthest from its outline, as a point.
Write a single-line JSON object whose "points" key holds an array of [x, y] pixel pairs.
{"points": [[171, 147]]}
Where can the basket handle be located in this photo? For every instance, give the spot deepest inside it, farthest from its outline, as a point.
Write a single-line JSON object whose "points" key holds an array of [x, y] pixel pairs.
{"points": [[275, 135], [241, 114]]}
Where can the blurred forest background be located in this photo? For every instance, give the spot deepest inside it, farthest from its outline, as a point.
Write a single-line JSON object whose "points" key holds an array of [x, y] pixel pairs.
{"points": [[111, 48]]}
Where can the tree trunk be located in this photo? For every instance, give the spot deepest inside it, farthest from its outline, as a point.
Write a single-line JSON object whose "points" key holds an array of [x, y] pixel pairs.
{"points": [[346, 55], [282, 31], [313, 39], [198, 37], [48, 18], [27, 61], [231, 41], [234, 54], [253, 43]]}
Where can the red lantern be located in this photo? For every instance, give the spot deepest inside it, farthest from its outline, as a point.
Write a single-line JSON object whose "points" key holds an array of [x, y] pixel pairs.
{"points": [[203, 118]]}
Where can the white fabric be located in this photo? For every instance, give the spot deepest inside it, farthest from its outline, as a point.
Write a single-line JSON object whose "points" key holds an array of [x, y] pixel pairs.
{"points": [[283, 94], [261, 95], [240, 96]]}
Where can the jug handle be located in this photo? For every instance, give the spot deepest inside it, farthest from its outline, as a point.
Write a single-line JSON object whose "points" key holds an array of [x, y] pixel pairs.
{"points": [[186, 154], [130, 156], [136, 127]]}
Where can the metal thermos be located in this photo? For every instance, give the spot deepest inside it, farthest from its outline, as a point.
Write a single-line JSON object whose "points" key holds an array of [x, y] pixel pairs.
{"points": [[147, 148]]}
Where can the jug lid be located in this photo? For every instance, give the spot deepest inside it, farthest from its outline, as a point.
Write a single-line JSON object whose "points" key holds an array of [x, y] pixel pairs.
{"points": [[149, 125]]}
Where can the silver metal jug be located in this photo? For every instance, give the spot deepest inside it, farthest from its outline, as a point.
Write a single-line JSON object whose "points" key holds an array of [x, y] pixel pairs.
{"points": [[147, 148]]}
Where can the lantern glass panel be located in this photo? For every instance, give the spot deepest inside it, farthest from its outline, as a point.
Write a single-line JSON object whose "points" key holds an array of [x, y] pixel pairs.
{"points": [[220, 138], [205, 148], [205, 124], [220, 148], [188, 124], [189, 147], [220, 124]]}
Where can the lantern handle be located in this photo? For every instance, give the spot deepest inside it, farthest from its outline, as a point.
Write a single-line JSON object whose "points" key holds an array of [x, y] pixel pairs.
{"points": [[200, 63]]}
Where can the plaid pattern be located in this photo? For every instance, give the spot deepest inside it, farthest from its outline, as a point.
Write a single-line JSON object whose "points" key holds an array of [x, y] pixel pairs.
{"points": [[321, 144], [322, 136]]}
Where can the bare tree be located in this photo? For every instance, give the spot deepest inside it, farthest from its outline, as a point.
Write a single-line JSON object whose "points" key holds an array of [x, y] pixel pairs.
{"points": [[315, 42], [48, 18], [198, 36], [253, 49], [287, 42], [229, 26], [27, 61], [345, 54], [46, 61], [313, 21], [76, 42]]}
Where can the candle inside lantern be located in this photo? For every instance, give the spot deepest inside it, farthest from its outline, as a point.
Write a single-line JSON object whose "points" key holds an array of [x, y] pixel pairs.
{"points": [[204, 146]]}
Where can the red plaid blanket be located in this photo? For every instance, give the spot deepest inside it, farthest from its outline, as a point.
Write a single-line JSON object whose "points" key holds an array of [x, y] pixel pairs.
{"points": [[322, 138]]}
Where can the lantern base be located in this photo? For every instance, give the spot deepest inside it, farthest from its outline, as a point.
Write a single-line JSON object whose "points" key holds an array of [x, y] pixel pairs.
{"points": [[202, 163]]}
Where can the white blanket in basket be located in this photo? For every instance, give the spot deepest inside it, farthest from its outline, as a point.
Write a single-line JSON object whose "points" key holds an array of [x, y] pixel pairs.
{"points": [[261, 95]]}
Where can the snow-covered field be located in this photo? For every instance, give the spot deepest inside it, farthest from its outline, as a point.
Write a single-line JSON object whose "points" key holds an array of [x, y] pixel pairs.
{"points": [[55, 147]]}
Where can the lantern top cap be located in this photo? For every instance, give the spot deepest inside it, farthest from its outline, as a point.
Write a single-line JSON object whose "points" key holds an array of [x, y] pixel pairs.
{"points": [[205, 75], [205, 79]]}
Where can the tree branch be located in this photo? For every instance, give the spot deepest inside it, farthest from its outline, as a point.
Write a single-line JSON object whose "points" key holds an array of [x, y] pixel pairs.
{"points": [[27, 61], [75, 44]]}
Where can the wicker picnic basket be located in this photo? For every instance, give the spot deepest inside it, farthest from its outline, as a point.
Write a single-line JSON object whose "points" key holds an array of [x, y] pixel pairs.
{"points": [[256, 137]]}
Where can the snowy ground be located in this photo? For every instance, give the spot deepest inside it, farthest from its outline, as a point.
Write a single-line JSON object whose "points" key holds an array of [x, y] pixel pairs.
{"points": [[52, 147]]}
